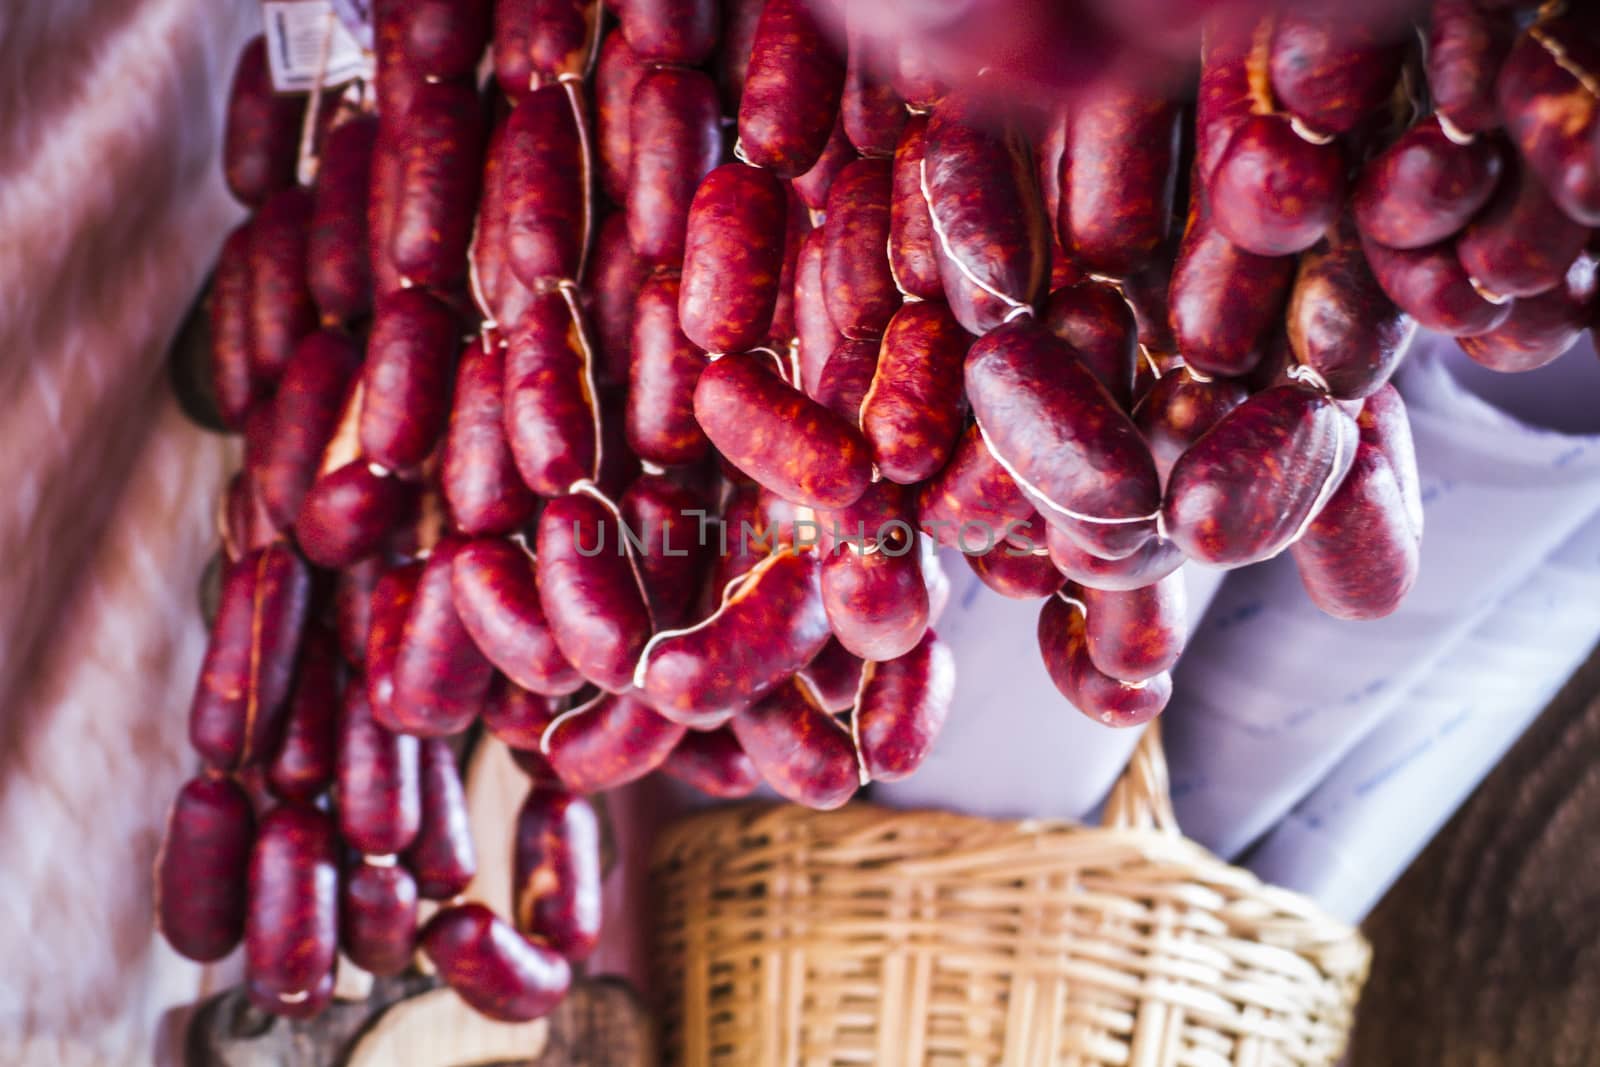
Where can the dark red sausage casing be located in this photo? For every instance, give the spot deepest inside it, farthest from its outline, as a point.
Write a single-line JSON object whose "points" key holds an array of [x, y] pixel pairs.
{"points": [[779, 436], [233, 380], [833, 676], [478, 475], [497, 599], [391, 604], [804, 753], [987, 213], [439, 38], [1522, 243], [668, 526], [1053, 425], [305, 413], [350, 511], [378, 915], [1098, 323], [973, 500], [1136, 634], [442, 856], [767, 627], [537, 40], [872, 586], [912, 254], [440, 677], [675, 138], [551, 407], [261, 131], [378, 776], [608, 742], [411, 355], [303, 765], [441, 169], [1331, 70], [615, 77], [666, 365], [846, 377], [202, 869], [338, 256], [1119, 168], [1466, 45], [1432, 286], [713, 763], [519, 717], [591, 592], [816, 336], [679, 32], [870, 111], [858, 285], [902, 708], [792, 89], [291, 931], [1272, 191], [1341, 323], [547, 186], [1064, 647], [615, 275], [237, 713], [1244, 491], [1424, 187], [733, 259], [912, 412], [1016, 573], [1550, 109], [1360, 557], [1178, 409], [555, 883], [281, 308], [492, 967], [1158, 558], [1539, 328]]}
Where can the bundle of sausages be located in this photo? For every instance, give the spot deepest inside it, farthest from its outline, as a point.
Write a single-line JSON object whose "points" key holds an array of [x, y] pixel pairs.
{"points": [[580, 408]]}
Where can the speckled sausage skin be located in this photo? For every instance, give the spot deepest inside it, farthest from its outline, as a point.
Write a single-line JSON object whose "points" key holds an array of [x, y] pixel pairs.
{"points": [[768, 628], [871, 113], [1242, 492], [1522, 243], [712, 762], [612, 286], [261, 131], [441, 147], [519, 717], [349, 512], [666, 365], [1119, 168], [1466, 46], [1431, 286], [1539, 328], [384, 196], [391, 604], [378, 776], [1106, 700], [551, 420], [733, 258], [872, 585], [542, 40], [615, 77], [303, 764], [1094, 319], [352, 607], [555, 885], [1157, 558], [1360, 557], [1138, 633], [1331, 70], [590, 591], [804, 753], [1223, 300], [973, 500], [378, 916], [440, 38], [442, 856], [781, 333], [228, 312], [1551, 116], [281, 308], [1047, 418], [911, 240], [202, 868], [305, 412], [988, 216], [291, 930], [792, 89], [815, 333], [779, 436], [440, 677], [673, 546], [1341, 323], [675, 134], [1424, 187], [495, 595], [338, 257], [1178, 409], [248, 668], [411, 355], [612, 741], [911, 414], [492, 967], [858, 286], [1014, 573], [846, 377], [834, 675], [478, 475], [903, 706], [547, 214], [677, 32], [1273, 192]]}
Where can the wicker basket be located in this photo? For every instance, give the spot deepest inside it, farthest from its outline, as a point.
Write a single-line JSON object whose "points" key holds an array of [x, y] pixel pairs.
{"points": [[792, 938]]}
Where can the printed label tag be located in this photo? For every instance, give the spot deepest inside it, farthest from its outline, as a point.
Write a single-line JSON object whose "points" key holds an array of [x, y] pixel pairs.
{"points": [[297, 33]]}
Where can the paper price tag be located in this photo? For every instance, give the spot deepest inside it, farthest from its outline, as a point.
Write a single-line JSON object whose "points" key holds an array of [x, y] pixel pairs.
{"points": [[298, 32]]}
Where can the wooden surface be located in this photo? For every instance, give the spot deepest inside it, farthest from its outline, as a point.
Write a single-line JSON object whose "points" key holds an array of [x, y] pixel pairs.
{"points": [[1488, 949]]}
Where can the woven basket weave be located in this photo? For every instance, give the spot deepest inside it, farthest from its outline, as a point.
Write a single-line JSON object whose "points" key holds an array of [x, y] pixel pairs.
{"points": [[792, 938]]}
